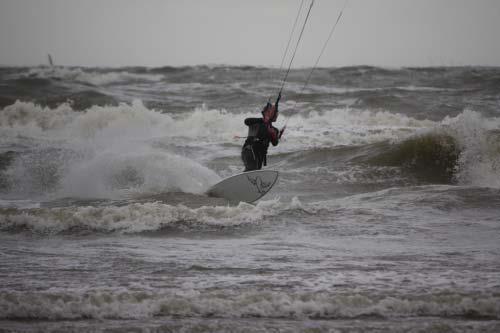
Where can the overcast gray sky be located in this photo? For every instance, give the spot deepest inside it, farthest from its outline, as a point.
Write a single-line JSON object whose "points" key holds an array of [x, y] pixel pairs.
{"points": [[248, 32]]}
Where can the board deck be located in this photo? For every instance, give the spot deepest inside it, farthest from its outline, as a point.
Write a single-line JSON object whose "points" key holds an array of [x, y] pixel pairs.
{"points": [[247, 186]]}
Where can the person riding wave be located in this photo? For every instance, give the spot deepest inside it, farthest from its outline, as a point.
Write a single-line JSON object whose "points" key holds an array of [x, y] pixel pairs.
{"points": [[261, 132]]}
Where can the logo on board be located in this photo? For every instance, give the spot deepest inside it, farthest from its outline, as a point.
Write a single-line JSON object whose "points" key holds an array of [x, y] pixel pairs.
{"points": [[261, 186]]}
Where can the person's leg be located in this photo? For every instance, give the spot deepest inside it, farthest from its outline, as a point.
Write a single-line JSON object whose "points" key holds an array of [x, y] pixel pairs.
{"points": [[259, 161], [249, 159]]}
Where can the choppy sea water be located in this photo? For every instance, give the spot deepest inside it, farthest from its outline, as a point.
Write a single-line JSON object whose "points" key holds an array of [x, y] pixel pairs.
{"points": [[386, 216]]}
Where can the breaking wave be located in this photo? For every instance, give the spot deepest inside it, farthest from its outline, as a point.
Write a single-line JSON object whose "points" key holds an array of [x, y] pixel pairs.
{"points": [[103, 151], [96, 153], [133, 218], [463, 149], [479, 141], [159, 214], [126, 304]]}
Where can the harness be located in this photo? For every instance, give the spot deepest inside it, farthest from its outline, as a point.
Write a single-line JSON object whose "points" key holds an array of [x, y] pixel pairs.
{"points": [[257, 140]]}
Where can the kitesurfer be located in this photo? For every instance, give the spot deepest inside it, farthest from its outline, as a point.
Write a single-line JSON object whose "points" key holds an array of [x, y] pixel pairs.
{"points": [[261, 132]]}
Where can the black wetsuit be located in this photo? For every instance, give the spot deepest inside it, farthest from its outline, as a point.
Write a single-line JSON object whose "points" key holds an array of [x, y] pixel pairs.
{"points": [[254, 149]]}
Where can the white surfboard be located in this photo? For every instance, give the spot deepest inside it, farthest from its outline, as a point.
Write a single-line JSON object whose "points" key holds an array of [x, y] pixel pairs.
{"points": [[247, 186]]}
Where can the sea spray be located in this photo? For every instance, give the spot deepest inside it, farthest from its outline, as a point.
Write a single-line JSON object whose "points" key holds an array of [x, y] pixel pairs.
{"points": [[479, 138]]}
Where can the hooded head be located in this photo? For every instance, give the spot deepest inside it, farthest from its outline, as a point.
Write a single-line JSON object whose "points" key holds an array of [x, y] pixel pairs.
{"points": [[270, 113]]}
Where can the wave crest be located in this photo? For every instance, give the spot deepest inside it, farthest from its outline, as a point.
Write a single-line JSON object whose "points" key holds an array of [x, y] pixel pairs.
{"points": [[122, 304], [132, 218]]}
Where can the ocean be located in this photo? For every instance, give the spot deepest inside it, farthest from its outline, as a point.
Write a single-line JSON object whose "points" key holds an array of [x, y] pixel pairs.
{"points": [[385, 217]]}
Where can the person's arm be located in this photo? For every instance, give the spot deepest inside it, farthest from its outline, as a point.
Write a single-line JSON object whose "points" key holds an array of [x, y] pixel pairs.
{"points": [[273, 135]]}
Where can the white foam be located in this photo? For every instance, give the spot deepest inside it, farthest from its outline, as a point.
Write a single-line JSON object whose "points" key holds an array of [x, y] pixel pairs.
{"points": [[347, 127], [133, 218], [31, 119], [479, 162], [125, 304]]}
